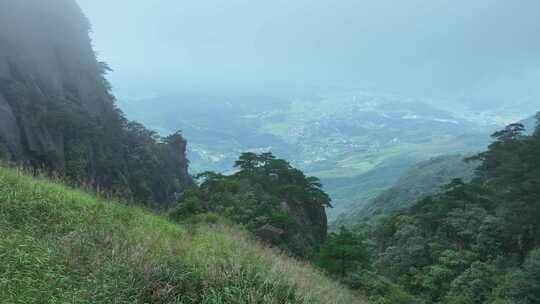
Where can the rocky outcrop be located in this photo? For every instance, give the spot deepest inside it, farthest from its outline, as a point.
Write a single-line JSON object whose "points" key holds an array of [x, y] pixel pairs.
{"points": [[270, 234], [311, 219], [10, 139], [45, 56], [57, 112]]}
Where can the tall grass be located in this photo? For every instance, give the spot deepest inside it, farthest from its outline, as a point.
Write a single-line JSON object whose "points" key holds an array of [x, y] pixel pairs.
{"points": [[59, 245]]}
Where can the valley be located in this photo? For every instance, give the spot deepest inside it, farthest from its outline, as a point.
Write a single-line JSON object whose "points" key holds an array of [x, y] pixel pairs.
{"points": [[269, 153], [358, 143]]}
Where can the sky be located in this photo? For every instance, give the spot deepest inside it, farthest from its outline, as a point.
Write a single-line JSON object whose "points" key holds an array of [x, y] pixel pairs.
{"points": [[481, 50]]}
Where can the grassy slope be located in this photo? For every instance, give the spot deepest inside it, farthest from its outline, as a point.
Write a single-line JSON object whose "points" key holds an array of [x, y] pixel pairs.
{"points": [[59, 245]]}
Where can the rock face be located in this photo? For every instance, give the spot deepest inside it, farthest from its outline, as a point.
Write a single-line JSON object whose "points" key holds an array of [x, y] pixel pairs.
{"points": [[56, 109], [45, 55], [311, 218], [270, 234]]}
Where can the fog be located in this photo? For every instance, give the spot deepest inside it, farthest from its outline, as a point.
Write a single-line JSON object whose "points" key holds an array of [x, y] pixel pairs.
{"points": [[482, 51]]}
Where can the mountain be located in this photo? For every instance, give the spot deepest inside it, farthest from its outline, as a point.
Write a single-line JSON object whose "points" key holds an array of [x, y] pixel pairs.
{"points": [[530, 124], [57, 112], [357, 142], [35, 71], [59, 116], [63, 245], [423, 179], [472, 242], [450, 231]]}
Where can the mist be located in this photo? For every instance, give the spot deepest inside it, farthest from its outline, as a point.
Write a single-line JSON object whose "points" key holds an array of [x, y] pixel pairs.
{"points": [[250, 151], [484, 51]]}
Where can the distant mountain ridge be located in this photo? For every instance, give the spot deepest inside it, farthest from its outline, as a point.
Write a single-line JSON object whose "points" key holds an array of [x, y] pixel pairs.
{"points": [[423, 179]]}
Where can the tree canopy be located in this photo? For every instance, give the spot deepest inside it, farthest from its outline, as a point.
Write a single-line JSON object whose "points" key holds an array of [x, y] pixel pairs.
{"points": [[460, 246], [260, 195]]}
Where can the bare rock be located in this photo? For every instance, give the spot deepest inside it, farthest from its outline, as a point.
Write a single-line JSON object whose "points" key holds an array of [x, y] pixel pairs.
{"points": [[270, 233]]}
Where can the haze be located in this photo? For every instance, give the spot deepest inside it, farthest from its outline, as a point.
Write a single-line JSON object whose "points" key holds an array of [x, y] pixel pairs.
{"points": [[473, 51]]}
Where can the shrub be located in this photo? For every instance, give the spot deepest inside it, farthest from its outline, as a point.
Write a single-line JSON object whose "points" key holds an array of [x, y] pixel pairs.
{"points": [[474, 286], [378, 289], [523, 285]]}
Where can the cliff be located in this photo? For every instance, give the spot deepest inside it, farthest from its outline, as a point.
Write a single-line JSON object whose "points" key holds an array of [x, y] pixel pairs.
{"points": [[57, 111], [45, 56], [311, 219]]}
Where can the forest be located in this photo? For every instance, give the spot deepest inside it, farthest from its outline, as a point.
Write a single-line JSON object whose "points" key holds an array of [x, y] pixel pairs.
{"points": [[475, 242]]}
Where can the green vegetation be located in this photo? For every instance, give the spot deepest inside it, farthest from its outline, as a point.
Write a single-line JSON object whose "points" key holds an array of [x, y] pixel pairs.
{"points": [[343, 253], [424, 179], [64, 246], [348, 256], [266, 195], [121, 156], [477, 241]]}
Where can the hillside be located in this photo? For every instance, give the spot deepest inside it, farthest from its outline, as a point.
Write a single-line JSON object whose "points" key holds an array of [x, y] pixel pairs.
{"points": [[529, 124], [269, 197], [62, 245], [423, 179], [475, 241]]}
